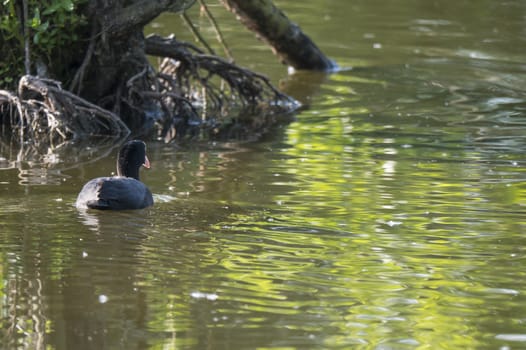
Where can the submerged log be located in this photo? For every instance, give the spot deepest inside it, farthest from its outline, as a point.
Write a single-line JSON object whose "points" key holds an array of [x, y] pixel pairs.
{"points": [[285, 37]]}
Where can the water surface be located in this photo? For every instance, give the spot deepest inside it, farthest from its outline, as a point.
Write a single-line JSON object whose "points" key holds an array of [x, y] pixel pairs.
{"points": [[390, 214]]}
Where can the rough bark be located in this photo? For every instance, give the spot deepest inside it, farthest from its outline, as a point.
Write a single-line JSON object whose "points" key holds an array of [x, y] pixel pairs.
{"points": [[110, 88], [117, 56], [285, 37], [135, 15]]}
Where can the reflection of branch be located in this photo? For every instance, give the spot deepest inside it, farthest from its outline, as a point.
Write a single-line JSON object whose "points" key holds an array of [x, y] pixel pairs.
{"points": [[39, 318], [43, 164], [26, 317]]}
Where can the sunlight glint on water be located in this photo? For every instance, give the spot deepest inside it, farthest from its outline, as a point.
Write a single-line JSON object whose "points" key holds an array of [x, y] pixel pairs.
{"points": [[388, 215]]}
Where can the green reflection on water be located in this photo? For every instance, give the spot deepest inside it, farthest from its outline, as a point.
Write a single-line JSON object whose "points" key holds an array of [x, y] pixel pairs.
{"points": [[389, 214]]}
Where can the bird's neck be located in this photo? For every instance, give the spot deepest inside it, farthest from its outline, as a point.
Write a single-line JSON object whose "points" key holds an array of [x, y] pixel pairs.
{"points": [[124, 170]]}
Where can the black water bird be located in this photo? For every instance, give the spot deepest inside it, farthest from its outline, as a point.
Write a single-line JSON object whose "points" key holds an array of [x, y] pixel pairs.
{"points": [[124, 191]]}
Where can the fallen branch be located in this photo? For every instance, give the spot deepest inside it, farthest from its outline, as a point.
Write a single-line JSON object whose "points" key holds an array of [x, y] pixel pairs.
{"points": [[287, 40]]}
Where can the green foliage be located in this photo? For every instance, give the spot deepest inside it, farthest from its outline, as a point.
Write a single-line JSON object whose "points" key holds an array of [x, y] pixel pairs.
{"points": [[51, 25]]}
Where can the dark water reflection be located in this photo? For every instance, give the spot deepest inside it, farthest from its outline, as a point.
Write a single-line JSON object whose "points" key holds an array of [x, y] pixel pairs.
{"points": [[388, 215]]}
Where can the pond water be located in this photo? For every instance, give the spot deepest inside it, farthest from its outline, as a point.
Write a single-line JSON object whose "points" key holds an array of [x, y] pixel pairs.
{"points": [[389, 214]]}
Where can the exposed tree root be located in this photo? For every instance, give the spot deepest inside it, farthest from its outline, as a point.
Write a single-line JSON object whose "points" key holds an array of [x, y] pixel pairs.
{"points": [[211, 81], [42, 111], [210, 91], [191, 92]]}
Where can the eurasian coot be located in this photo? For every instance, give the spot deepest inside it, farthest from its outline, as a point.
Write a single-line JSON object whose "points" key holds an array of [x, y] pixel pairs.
{"points": [[123, 191]]}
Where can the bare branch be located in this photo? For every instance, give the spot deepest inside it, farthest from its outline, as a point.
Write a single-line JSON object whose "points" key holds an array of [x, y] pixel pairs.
{"points": [[25, 29], [196, 33], [246, 87], [138, 14], [79, 75], [219, 35]]}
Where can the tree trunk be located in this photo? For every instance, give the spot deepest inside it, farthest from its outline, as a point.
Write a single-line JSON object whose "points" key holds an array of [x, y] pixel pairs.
{"points": [[285, 37], [100, 76], [118, 56]]}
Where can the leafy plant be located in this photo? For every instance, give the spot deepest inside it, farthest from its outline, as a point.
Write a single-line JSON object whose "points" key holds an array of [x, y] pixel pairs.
{"points": [[51, 25]]}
